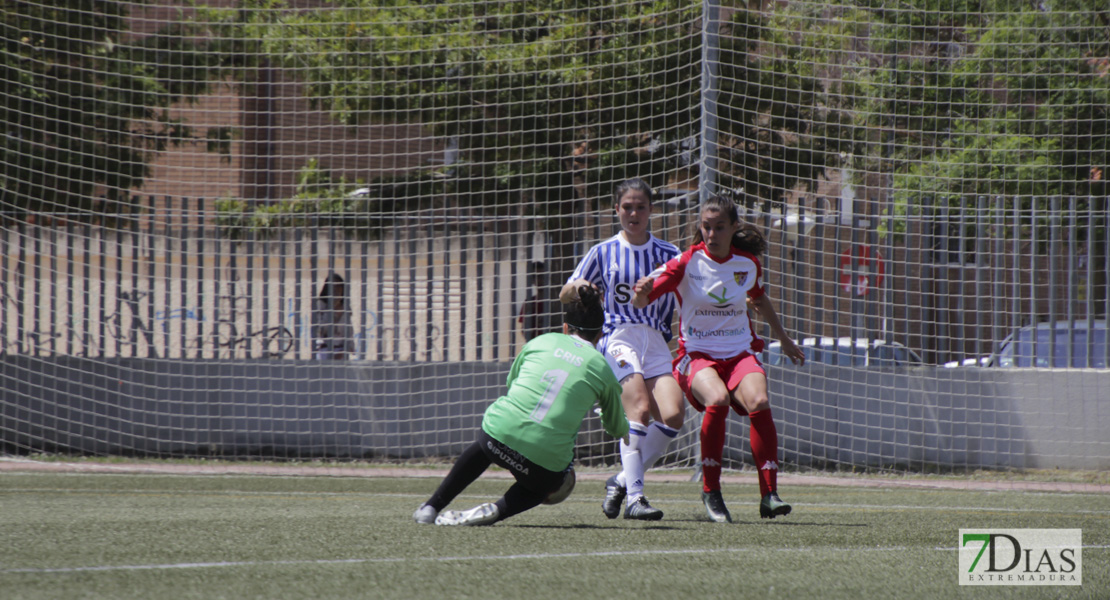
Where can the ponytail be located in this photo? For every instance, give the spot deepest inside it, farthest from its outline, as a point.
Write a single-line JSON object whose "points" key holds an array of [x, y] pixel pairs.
{"points": [[584, 314], [750, 240]]}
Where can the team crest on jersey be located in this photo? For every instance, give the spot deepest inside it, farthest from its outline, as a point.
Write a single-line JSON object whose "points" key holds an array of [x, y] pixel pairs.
{"points": [[740, 277]]}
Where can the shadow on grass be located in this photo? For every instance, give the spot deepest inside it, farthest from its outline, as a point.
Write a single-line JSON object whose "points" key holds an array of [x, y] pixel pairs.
{"points": [[594, 527], [777, 523]]}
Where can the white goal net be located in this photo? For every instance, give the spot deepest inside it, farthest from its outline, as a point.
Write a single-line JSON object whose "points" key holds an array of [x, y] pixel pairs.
{"points": [[189, 187]]}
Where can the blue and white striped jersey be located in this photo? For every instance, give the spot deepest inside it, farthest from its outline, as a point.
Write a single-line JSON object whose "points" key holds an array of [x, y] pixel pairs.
{"points": [[614, 266]]}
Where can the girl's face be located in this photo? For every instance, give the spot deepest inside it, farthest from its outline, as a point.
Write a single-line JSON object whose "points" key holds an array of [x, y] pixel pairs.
{"points": [[634, 212], [717, 231]]}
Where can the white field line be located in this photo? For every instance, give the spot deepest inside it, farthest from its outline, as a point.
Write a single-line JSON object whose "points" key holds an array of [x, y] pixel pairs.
{"points": [[444, 559], [439, 559], [355, 495], [246, 468]]}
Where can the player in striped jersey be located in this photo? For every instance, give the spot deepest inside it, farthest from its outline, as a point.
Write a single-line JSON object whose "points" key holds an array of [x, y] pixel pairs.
{"points": [[635, 344], [716, 279]]}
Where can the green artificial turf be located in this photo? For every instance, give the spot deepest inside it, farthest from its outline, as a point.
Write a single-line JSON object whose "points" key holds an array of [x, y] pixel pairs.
{"points": [[227, 536]]}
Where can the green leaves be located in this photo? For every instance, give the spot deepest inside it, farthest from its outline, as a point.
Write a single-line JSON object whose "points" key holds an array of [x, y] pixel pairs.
{"points": [[1022, 103], [84, 104], [525, 87], [515, 83]]}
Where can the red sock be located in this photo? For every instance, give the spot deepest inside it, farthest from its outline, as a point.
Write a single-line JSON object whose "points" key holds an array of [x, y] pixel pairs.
{"points": [[713, 446], [765, 450]]}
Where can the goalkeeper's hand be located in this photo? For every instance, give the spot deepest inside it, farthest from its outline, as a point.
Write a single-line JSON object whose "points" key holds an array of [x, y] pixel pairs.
{"points": [[624, 438]]}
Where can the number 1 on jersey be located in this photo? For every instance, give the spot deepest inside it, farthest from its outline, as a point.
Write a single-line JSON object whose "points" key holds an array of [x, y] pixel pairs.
{"points": [[553, 381]]}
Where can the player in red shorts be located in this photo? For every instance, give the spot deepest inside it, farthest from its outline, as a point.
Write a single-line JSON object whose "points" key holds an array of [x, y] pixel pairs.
{"points": [[716, 281]]}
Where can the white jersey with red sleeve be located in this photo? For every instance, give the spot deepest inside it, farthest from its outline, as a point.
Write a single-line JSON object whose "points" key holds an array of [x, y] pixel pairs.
{"points": [[712, 295]]}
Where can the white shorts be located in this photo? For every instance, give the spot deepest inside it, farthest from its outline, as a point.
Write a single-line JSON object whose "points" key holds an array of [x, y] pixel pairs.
{"points": [[636, 348]]}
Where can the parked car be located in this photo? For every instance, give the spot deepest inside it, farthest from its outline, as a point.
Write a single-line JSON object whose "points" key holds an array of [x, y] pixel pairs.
{"points": [[975, 361], [1048, 347], [847, 352]]}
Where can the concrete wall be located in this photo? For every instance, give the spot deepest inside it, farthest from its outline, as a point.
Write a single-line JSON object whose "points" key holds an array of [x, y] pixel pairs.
{"points": [[922, 419]]}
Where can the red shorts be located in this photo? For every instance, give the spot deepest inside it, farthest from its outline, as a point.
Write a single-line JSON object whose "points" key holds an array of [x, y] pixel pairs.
{"points": [[730, 370]]}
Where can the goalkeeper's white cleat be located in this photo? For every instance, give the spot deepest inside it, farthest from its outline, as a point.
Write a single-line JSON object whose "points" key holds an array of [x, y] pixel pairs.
{"points": [[483, 514], [425, 515]]}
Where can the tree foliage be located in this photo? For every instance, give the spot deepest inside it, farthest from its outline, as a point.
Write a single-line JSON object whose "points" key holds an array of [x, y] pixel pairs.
{"points": [[959, 99], [781, 126], [551, 103], [325, 201], [1035, 108], [539, 93], [84, 104]]}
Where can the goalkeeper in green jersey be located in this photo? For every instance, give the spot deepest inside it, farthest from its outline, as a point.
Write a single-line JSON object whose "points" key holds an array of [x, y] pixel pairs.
{"points": [[531, 430]]}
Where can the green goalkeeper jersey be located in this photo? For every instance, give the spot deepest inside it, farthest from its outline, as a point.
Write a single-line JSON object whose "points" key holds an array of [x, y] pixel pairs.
{"points": [[553, 384]]}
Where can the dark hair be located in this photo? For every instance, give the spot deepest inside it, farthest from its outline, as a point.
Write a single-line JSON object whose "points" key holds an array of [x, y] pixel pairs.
{"points": [[334, 287], [634, 184], [748, 238], [584, 313]]}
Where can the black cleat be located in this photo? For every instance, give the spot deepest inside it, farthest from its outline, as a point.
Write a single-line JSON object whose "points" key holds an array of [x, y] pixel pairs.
{"points": [[772, 506], [614, 496], [715, 506], [640, 510]]}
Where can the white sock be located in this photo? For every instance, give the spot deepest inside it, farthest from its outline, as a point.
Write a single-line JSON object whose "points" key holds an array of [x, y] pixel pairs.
{"points": [[632, 461], [655, 443]]}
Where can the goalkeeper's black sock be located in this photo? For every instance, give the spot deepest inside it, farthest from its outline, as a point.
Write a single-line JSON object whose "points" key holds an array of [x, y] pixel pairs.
{"points": [[469, 466], [516, 500]]}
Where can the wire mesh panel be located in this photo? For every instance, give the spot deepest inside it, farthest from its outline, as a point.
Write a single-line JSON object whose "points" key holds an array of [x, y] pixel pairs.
{"points": [[325, 229]]}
